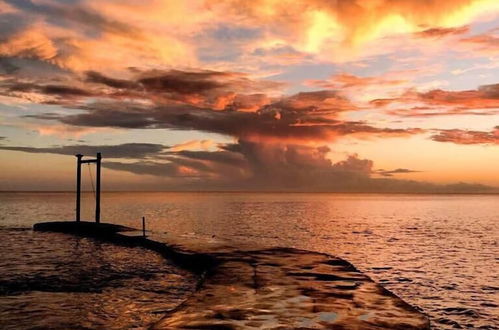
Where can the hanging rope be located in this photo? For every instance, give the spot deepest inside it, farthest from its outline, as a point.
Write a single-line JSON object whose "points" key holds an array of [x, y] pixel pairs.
{"points": [[91, 180]]}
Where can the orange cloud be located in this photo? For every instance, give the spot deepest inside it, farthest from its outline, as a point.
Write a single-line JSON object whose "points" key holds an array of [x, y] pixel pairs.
{"points": [[486, 43], [96, 35], [82, 37], [346, 80], [468, 137], [5, 8], [439, 32], [340, 30], [363, 89], [484, 100], [251, 102], [30, 43]]}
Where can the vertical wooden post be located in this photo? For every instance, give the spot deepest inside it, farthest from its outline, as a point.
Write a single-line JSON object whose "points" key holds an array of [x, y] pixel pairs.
{"points": [[97, 189], [144, 226], [78, 186]]}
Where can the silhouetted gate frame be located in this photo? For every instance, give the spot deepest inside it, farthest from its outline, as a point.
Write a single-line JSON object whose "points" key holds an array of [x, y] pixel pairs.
{"points": [[97, 160]]}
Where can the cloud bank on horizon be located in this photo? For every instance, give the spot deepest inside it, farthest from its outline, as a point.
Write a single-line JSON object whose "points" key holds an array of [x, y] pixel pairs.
{"points": [[346, 95]]}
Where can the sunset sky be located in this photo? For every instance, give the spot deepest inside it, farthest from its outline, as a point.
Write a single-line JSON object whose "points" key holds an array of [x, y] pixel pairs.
{"points": [[312, 95]]}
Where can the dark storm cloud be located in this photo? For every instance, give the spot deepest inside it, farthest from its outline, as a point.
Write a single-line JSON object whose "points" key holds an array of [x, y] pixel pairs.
{"points": [[29, 70], [289, 125], [490, 91], [145, 168], [257, 166], [207, 88], [46, 93], [64, 90], [204, 100], [269, 155], [105, 115], [99, 78], [126, 150], [183, 82], [271, 167], [6, 66], [203, 88], [58, 90]]}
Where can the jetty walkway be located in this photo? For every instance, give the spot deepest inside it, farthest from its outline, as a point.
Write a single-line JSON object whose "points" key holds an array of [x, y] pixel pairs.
{"points": [[269, 288]]}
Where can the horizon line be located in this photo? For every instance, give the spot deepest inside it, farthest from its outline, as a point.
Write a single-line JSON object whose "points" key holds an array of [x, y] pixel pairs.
{"points": [[265, 192]]}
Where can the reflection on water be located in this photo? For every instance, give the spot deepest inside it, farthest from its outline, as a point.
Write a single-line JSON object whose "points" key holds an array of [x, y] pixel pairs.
{"points": [[51, 280], [439, 253]]}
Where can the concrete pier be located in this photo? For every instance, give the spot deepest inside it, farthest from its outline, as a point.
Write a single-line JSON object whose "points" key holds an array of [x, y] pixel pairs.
{"points": [[276, 288]]}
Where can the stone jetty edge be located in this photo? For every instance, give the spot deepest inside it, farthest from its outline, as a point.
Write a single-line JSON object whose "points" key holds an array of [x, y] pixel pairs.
{"points": [[206, 262]]}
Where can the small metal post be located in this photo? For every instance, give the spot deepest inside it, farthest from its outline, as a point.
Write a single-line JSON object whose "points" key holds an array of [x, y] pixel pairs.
{"points": [[97, 188], [144, 226], [78, 186]]}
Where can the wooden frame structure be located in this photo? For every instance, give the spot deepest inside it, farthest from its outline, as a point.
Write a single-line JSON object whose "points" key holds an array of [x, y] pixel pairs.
{"points": [[80, 161]]}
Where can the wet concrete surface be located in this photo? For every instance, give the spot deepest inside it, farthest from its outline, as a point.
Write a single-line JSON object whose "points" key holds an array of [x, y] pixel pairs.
{"points": [[272, 288]]}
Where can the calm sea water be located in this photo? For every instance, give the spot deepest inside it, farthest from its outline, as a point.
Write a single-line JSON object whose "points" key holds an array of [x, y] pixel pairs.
{"points": [[438, 252]]}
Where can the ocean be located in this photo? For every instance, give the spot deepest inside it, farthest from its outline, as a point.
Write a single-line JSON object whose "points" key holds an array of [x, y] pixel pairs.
{"points": [[439, 253]]}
